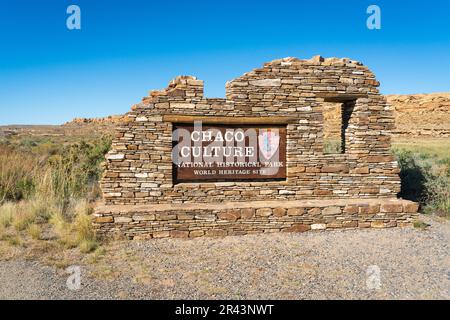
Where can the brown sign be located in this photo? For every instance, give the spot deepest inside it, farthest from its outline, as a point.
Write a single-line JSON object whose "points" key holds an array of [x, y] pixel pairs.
{"points": [[228, 152]]}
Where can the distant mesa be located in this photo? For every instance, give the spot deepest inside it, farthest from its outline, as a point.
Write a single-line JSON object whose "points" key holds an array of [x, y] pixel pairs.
{"points": [[425, 114], [421, 114], [114, 119]]}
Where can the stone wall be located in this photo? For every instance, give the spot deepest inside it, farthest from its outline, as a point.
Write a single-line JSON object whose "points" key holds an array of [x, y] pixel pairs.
{"points": [[139, 168], [238, 218]]}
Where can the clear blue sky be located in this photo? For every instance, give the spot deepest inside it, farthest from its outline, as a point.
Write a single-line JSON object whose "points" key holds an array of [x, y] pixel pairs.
{"points": [[49, 75]]}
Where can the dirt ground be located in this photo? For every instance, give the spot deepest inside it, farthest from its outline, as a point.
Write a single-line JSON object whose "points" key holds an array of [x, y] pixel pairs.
{"points": [[397, 263]]}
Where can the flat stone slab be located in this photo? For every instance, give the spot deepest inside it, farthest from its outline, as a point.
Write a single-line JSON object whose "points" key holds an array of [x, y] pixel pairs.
{"points": [[249, 204]]}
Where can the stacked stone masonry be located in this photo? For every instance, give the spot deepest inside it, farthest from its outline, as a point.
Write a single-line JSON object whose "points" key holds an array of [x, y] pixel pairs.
{"points": [[139, 166]]}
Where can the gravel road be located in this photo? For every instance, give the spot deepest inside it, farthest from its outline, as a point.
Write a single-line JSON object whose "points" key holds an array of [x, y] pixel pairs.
{"points": [[397, 263]]}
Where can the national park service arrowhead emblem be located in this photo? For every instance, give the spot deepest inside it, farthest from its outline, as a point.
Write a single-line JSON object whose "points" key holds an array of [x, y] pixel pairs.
{"points": [[269, 142]]}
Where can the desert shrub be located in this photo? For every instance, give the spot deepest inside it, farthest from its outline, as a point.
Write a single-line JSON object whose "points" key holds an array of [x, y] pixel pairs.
{"points": [[420, 224], [74, 227], [24, 213], [12, 239], [34, 231], [17, 172], [412, 176], [87, 246], [75, 171], [70, 172], [425, 179], [445, 162], [40, 208], [6, 214], [437, 196], [42, 182], [22, 218]]}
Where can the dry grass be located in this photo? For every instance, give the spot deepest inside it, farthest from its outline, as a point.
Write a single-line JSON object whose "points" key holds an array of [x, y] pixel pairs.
{"points": [[35, 231], [433, 147], [75, 229], [23, 217], [6, 214], [23, 224], [46, 190], [17, 171]]}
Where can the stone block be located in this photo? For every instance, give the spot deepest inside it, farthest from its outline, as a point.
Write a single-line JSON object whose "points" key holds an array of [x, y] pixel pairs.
{"points": [[295, 211], [104, 219], [122, 219], [279, 212], [179, 234], [335, 168], [231, 215], [318, 226], [161, 234], [247, 213], [331, 211], [298, 227], [196, 233], [264, 212], [216, 233], [377, 224], [411, 207], [147, 217], [351, 209], [349, 224], [391, 208]]}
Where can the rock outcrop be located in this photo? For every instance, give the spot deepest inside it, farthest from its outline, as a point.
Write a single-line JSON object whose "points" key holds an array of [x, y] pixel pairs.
{"points": [[421, 114]]}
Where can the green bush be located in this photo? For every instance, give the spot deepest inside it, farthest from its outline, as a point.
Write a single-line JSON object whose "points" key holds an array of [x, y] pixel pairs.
{"points": [[67, 172], [425, 179], [76, 170]]}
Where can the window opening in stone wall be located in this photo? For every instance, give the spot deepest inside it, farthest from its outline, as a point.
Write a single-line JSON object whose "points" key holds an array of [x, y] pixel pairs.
{"points": [[336, 118], [332, 127]]}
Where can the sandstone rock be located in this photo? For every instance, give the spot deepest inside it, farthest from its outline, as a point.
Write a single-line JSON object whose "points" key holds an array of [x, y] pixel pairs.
{"points": [[179, 234], [349, 224], [148, 217], [351, 209], [231, 215], [104, 219], [266, 83], [331, 211], [216, 233], [196, 233], [295, 211], [264, 212], [377, 224], [318, 226], [161, 234], [391, 208], [115, 156], [279, 212], [411, 207], [247, 213], [335, 168], [298, 227], [122, 219]]}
